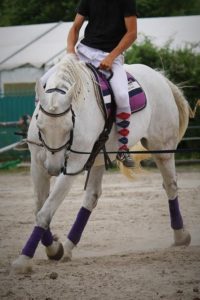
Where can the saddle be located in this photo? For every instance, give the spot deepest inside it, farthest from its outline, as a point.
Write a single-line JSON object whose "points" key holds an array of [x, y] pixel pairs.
{"points": [[137, 97], [137, 102]]}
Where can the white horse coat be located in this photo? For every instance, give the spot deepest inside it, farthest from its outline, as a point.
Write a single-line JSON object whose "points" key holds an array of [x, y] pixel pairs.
{"points": [[160, 125]]}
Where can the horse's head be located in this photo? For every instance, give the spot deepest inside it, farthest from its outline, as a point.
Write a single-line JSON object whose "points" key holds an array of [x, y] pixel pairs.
{"points": [[55, 124]]}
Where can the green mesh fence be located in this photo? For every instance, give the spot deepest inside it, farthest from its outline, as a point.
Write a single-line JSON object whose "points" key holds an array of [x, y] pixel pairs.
{"points": [[12, 108]]}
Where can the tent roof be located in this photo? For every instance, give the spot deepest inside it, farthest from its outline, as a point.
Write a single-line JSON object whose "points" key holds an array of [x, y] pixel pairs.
{"points": [[31, 45], [43, 44], [180, 30]]}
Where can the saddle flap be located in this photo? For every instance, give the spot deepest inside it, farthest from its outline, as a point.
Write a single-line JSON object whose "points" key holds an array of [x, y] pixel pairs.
{"points": [[137, 97]]}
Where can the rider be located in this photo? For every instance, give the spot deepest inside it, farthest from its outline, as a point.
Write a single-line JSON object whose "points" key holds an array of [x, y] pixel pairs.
{"points": [[111, 29]]}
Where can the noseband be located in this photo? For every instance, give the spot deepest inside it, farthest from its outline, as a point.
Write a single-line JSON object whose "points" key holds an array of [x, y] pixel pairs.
{"points": [[68, 144], [99, 144]]}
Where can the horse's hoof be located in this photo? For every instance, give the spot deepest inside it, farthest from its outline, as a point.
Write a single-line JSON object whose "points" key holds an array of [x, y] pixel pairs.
{"points": [[57, 252], [55, 237], [67, 257], [181, 237], [68, 247], [21, 265], [67, 254]]}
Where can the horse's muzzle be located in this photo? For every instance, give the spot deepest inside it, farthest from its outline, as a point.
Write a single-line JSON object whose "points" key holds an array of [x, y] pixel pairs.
{"points": [[53, 172]]}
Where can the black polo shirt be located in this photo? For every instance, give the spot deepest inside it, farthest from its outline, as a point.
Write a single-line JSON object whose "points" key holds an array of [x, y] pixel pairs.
{"points": [[106, 25]]}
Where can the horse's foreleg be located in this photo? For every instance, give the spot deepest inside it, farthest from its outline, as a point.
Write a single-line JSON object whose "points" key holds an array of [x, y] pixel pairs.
{"points": [[93, 192], [41, 182], [43, 219], [166, 165]]}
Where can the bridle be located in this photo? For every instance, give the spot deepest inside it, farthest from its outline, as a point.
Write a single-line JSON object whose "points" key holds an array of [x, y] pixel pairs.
{"points": [[98, 145], [68, 144]]}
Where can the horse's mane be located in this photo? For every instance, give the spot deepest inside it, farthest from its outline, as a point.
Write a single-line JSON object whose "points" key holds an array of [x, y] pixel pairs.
{"points": [[72, 72]]}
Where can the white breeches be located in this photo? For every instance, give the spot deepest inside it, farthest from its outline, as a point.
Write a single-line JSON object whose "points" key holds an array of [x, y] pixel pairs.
{"points": [[118, 82]]}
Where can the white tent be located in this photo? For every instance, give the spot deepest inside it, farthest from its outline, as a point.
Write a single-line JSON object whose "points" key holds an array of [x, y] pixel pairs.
{"points": [[27, 51], [181, 31]]}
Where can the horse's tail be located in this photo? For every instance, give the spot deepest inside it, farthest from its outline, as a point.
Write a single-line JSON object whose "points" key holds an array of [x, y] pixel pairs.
{"points": [[184, 108], [132, 173], [185, 112]]}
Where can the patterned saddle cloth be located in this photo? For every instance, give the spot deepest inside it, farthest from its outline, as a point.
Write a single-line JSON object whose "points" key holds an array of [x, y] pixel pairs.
{"points": [[137, 97]]}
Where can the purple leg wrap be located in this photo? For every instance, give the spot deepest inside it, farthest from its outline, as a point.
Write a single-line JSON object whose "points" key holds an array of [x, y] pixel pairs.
{"points": [[47, 238], [79, 225], [33, 241], [175, 215]]}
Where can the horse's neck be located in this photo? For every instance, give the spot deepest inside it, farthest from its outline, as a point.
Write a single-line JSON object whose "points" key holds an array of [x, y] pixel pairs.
{"points": [[89, 121]]}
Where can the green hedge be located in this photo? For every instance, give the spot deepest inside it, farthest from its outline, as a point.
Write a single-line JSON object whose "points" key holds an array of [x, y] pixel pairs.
{"points": [[182, 66]]}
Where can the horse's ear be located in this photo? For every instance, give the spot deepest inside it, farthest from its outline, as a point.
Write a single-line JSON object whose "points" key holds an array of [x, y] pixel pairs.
{"points": [[39, 90]]}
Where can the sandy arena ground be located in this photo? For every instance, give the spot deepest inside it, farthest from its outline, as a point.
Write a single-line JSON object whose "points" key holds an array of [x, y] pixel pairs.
{"points": [[125, 252]]}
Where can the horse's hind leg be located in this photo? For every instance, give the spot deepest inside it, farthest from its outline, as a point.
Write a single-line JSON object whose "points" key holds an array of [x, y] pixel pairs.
{"points": [[166, 165], [92, 194]]}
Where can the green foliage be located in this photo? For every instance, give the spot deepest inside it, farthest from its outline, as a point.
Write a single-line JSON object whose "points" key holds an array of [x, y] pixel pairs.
{"points": [[164, 8], [182, 67], [21, 12]]}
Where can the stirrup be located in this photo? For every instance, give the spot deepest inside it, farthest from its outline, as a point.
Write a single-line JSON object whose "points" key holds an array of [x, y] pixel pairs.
{"points": [[125, 159]]}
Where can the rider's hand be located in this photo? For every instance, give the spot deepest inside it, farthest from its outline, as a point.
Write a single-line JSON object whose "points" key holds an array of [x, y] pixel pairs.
{"points": [[106, 63]]}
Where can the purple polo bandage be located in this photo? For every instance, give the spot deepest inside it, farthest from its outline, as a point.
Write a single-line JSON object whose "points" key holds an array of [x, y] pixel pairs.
{"points": [[79, 225], [175, 215], [47, 238], [33, 241]]}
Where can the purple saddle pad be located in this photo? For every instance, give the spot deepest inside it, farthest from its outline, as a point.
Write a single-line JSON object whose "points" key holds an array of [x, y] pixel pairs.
{"points": [[137, 96]]}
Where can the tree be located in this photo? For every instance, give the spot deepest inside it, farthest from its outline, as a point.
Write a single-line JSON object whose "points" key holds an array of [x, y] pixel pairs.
{"points": [[164, 8], [20, 12], [182, 66]]}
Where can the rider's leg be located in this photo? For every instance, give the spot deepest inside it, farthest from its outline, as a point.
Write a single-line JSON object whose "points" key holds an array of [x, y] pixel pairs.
{"points": [[123, 113], [119, 79]]}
